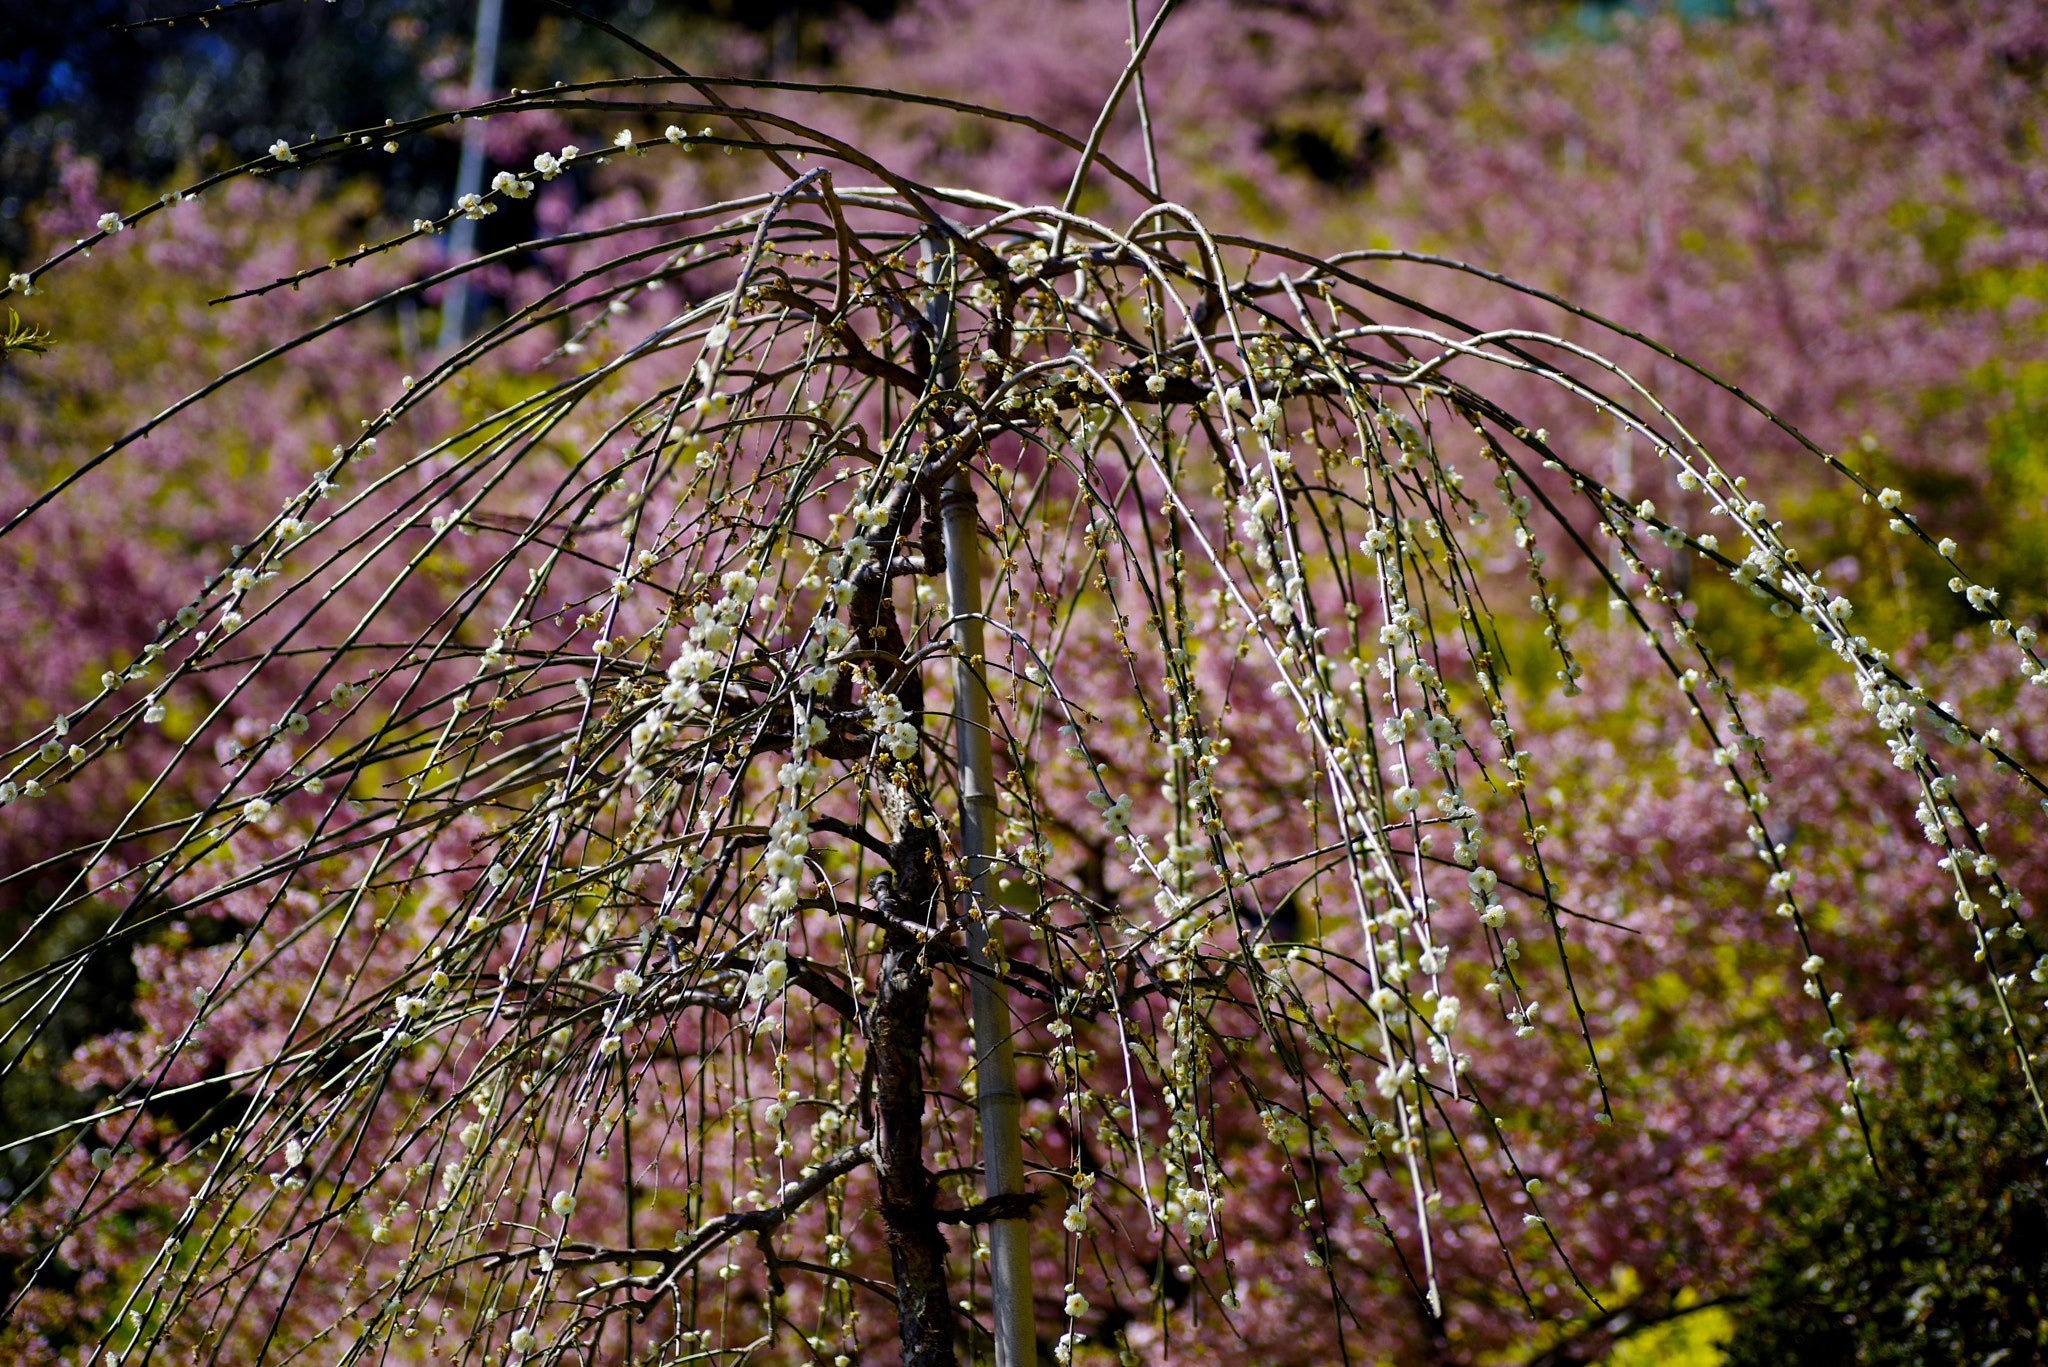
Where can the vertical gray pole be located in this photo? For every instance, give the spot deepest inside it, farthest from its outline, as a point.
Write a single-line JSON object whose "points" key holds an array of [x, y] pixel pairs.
{"points": [[469, 179], [995, 1071]]}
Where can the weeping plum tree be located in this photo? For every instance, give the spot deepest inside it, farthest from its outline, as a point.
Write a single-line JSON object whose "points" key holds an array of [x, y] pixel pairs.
{"points": [[877, 772]]}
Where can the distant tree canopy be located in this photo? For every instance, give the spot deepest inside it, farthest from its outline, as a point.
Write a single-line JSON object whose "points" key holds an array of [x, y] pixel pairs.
{"points": [[151, 104], [1937, 1253]]}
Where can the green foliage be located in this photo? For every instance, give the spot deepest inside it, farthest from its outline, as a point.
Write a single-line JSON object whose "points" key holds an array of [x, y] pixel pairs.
{"points": [[1690, 1340], [22, 336], [1940, 1254]]}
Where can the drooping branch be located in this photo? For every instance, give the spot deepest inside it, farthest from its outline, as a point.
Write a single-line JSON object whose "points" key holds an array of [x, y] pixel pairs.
{"points": [[707, 1238]]}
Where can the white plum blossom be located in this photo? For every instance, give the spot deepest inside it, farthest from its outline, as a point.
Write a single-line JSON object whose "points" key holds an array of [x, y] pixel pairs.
{"points": [[767, 981], [508, 184], [892, 725], [1116, 815]]}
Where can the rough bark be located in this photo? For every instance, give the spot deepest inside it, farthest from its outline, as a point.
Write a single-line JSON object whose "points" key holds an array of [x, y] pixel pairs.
{"points": [[896, 1026]]}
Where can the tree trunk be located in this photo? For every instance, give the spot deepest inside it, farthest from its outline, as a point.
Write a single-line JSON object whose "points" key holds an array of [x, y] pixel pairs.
{"points": [[896, 1026]]}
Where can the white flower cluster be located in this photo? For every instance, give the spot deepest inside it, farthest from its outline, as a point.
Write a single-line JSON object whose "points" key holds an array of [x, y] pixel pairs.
{"points": [[789, 841], [1200, 759], [1542, 602], [1444, 1019], [712, 630], [1116, 814], [1438, 730], [766, 982], [693, 664], [841, 566], [893, 727], [1484, 899], [1192, 1208], [1031, 851], [1076, 1219], [702, 655], [549, 165], [515, 187], [1260, 508]]}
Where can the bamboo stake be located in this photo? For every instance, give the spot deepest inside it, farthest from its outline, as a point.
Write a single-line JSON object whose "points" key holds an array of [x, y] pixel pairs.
{"points": [[995, 1074]]}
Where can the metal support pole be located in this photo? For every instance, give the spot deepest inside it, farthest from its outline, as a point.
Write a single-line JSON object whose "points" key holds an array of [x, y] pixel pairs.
{"points": [[469, 178], [995, 1072]]}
